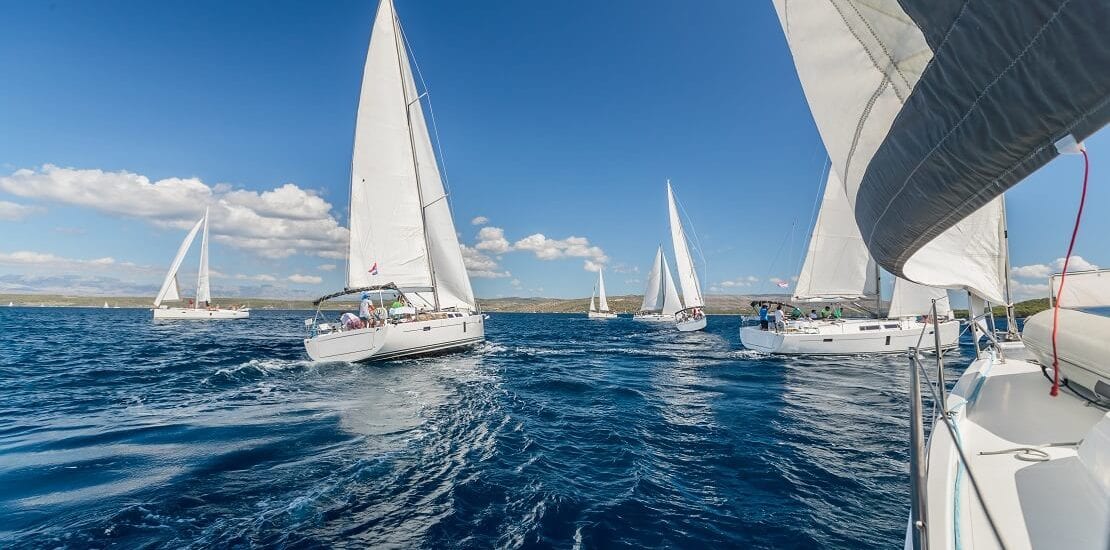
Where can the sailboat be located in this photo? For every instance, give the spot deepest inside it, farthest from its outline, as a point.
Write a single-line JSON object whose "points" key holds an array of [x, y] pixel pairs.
{"points": [[838, 268], [660, 297], [403, 248], [11, 304], [929, 114], [601, 310], [691, 317], [201, 308], [106, 306]]}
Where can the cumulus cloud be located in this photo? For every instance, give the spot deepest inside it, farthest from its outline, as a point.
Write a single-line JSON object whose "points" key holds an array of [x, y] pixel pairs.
{"points": [[479, 220], [305, 279], [1044, 271], [546, 248], [1026, 291], [480, 265], [515, 283], [27, 257], [12, 212], [738, 282], [273, 224], [326, 267], [492, 240]]}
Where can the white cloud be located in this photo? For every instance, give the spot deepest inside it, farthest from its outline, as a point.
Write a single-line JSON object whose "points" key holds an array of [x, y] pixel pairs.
{"points": [[12, 212], [262, 277], [571, 247], [27, 257], [515, 283], [1043, 271], [593, 266], [274, 224], [326, 267], [625, 268], [1026, 291], [479, 220], [481, 266], [305, 279], [737, 282], [492, 240]]}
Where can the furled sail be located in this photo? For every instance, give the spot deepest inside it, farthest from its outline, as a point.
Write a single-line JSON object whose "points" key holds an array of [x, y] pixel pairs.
{"points": [[204, 293], [671, 303], [602, 303], [931, 109], [687, 276], [911, 300], [170, 290], [402, 230], [837, 264], [653, 292]]}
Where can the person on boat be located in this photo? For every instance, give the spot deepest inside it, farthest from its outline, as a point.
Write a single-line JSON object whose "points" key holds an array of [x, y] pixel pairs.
{"points": [[796, 313], [350, 321], [365, 309], [762, 316], [780, 322], [826, 313], [838, 313], [813, 315]]}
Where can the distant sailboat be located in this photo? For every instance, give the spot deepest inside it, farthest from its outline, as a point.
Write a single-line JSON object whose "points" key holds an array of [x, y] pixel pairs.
{"points": [[660, 297], [403, 244], [11, 304], [106, 305], [692, 317], [601, 311], [169, 291]]}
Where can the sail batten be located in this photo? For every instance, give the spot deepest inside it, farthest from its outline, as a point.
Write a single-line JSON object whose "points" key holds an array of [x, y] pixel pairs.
{"points": [[687, 276]]}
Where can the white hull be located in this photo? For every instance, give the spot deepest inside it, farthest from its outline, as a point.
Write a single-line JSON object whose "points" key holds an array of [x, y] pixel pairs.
{"points": [[398, 340], [601, 315], [848, 337], [691, 325], [188, 313], [1061, 501], [654, 317]]}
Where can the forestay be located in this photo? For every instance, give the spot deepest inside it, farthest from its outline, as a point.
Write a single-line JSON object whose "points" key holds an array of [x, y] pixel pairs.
{"points": [[687, 276], [400, 221], [170, 291], [930, 109], [911, 300], [837, 264]]}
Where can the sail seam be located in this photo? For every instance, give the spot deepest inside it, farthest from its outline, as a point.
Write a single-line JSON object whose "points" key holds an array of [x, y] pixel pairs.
{"points": [[890, 57]]}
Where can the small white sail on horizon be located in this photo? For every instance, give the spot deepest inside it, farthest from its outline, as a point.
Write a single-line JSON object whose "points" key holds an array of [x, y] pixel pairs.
{"points": [[601, 309]]}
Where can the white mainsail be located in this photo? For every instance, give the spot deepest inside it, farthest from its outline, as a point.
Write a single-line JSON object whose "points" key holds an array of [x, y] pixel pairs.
{"points": [[687, 276], [837, 264], [671, 303], [911, 299], [204, 293], [603, 304], [169, 291], [401, 226], [653, 292]]}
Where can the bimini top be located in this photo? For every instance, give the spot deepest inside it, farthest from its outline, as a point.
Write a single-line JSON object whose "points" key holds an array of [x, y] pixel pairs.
{"points": [[930, 109]]}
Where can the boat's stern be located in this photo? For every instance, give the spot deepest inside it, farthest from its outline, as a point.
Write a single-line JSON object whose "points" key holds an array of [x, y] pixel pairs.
{"points": [[757, 339]]}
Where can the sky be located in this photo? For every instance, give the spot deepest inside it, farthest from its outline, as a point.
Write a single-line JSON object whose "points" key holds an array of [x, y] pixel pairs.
{"points": [[560, 123]]}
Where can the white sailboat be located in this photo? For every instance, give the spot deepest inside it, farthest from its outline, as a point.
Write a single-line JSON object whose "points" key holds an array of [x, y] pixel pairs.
{"points": [[929, 114], [660, 296], [691, 317], [106, 306], [601, 310], [201, 308], [11, 304], [403, 244], [838, 268]]}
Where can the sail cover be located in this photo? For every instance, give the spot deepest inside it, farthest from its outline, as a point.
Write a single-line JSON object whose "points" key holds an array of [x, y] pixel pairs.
{"points": [[687, 277], [911, 299], [402, 230], [204, 292], [837, 264], [653, 292], [170, 289], [930, 109]]}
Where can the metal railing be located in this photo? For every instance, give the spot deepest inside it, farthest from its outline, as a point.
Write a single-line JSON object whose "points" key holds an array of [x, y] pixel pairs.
{"points": [[919, 501]]}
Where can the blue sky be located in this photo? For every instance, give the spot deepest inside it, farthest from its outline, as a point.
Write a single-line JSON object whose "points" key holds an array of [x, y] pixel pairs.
{"points": [[561, 118]]}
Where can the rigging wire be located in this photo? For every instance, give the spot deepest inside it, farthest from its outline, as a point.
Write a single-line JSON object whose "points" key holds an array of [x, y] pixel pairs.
{"points": [[1064, 274]]}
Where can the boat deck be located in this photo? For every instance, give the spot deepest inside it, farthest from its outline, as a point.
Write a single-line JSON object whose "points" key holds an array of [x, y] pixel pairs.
{"points": [[1055, 503]]}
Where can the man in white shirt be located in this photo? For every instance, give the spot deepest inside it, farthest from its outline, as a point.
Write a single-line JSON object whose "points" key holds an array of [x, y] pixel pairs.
{"points": [[779, 323]]}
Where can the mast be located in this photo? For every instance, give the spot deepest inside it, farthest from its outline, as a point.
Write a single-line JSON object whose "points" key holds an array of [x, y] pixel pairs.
{"points": [[412, 147], [878, 293], [1011, 321], [662, 279]]}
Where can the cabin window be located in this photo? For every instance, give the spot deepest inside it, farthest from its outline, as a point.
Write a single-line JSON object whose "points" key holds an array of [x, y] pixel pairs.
{"points": [[827, 340], [890, 326], [869, 327], [888, 340]]}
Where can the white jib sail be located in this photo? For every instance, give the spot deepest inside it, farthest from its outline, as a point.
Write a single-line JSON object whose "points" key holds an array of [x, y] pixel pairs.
{"points": [[687, 276], [387, 241], [911, 299], [603, 304], [593, 293], [169, 289], [653, 292], [837, 264], [671, 303], [204, 293]]}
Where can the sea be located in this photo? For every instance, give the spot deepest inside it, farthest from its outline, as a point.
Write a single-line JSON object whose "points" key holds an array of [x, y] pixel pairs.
{"points": [[558, 432]]}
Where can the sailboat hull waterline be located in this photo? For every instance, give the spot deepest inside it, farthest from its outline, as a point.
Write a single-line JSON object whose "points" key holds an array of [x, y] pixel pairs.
{"points": [[691, 325], [848, 337], [188, 313], [600, 315], [394, 341]]}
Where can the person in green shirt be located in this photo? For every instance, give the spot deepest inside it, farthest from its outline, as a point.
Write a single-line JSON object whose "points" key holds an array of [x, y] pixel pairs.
{"points": [[838, 312], [826, 313], [796, 313], [397, 303]]}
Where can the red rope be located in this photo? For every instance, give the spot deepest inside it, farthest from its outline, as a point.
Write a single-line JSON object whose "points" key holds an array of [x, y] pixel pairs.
{"points": [[1063, 275]]}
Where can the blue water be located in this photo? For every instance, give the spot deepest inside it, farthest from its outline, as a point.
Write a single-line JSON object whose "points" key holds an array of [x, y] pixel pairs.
{"points": [[558, 432]]}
